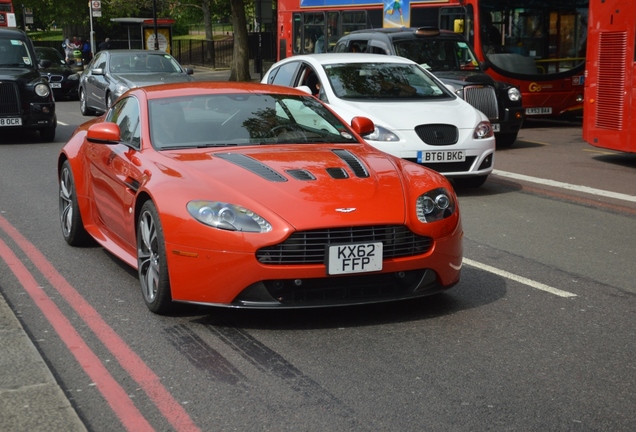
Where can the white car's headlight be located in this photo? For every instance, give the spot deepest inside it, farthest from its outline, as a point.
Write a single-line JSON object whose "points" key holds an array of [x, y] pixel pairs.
{"points": [[227, 216], [483, 130], [514, 94], [435, 205], [381, 134], [42, 90]]}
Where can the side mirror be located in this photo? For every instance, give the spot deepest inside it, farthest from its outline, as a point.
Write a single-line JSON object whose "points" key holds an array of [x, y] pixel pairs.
{"points": [[97, 71], [304, 88], [189, 71], [104, 133], [45, 63], [362, 125]]}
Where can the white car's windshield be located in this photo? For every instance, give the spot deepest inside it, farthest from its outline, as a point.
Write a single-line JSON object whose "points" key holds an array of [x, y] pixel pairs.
{"points": [[243, 119], [383, 81]]}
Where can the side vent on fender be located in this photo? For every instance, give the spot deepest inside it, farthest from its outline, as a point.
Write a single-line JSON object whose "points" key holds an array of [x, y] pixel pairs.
{"points": [[338, 173]]}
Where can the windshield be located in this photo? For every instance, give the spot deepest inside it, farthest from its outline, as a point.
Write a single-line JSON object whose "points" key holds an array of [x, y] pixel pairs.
{"points": [[374, 81], [14, 53], [50, 54], [143, 63], [438, 55], [242, 119]]}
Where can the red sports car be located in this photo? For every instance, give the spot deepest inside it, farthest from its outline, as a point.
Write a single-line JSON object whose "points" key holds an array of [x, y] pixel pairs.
{"points": [[255, 196]]}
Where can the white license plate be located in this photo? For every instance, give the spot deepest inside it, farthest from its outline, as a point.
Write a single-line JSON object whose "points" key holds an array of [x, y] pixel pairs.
{"points": [[441, 156], [540, 110], [55, 85], [354, 258], [13, 121], [496, 127]]}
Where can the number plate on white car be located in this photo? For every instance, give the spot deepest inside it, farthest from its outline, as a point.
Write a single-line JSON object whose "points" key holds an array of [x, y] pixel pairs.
{"points": [[13, 121], [354, 258], [441, 156]]}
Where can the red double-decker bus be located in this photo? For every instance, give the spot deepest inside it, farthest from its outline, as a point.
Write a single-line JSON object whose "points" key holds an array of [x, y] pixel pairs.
{"points": [[609, 119], [7, 15], [536, 45]]}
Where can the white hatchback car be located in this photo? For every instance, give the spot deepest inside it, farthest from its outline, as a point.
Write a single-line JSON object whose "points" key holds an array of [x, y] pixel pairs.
{"points": [[417, 118]]}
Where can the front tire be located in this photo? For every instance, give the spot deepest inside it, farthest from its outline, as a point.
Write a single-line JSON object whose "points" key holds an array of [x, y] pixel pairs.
{"points": [[470, 182], [152, 261], [84, 109], [505, 140], [47, 134], [73, 229]]}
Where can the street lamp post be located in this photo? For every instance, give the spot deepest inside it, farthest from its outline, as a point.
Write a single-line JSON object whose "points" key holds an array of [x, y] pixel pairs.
{"points": [[154, 17]]}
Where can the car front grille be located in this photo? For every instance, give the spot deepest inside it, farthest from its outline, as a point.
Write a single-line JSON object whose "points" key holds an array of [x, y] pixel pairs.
{"points": [[484, 99], [55, 78], [437, 134], [308, 247], [9, 99]]}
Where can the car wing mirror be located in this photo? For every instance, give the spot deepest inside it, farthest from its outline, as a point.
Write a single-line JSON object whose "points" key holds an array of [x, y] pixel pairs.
{"points": [[304, 88], [98, 71], [189, 71], [45, 63], [104, 133], [362, 125]]}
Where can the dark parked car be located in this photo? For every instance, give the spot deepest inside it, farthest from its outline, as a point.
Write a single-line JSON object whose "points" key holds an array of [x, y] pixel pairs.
{"points": [[113, 72], [449, 57], [63, 80], [26, 100]]}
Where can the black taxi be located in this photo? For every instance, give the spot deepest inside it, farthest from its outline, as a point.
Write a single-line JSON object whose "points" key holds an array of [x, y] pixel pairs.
{"points": [[26, 100]]}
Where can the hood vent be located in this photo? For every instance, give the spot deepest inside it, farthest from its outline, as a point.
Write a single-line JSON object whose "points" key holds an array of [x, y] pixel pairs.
{"points": [[338, 173], [354, 163], [252, 165], [300, 174]]}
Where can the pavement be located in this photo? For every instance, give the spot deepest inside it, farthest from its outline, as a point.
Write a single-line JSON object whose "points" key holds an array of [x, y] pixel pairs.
{"points": [[30, 397]]}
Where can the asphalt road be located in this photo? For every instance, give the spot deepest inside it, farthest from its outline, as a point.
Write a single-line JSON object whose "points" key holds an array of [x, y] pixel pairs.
{"points": [[539, 334]]}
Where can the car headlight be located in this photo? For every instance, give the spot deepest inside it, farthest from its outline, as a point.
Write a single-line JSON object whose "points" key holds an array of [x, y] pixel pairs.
{"points": [[381, 134], [120, 89], [483, 130], [514, 94], [226, 216], [42, 90], [435, 205]]}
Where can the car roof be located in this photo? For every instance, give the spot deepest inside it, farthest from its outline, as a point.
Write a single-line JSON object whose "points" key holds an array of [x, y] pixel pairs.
{"points": [[127, 51], [407, 32], [196, 88], [332, 58], [12, 32]]}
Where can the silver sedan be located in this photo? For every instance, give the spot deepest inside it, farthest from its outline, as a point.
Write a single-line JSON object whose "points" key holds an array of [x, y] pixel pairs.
{"points": [[111, 73]]}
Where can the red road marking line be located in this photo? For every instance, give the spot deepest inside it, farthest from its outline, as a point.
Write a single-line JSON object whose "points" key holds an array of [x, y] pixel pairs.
{"points": [[114, 394], [127, 358]]}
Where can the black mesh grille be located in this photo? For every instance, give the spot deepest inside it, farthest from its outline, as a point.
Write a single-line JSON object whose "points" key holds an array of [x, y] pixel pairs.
{"points": [[437, 134], [9, 99], [308, 247]]}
